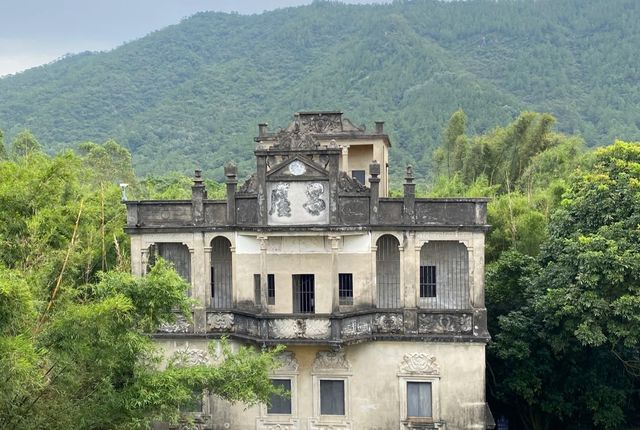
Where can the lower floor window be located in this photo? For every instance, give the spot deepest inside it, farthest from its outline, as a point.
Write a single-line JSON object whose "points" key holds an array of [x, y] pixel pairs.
{"points": [[280, 404], [331, 397], [419, 400]]}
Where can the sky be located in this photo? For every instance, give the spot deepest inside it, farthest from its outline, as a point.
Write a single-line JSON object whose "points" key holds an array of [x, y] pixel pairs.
{"points": [[35, 32]]}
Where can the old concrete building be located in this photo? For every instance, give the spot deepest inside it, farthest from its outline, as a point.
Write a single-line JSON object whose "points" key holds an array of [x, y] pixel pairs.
{"points": [[379, 300]]}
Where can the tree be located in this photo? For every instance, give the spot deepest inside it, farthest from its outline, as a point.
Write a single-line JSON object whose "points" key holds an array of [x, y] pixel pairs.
{"points": [[74, 346], [86, 362], [567, 354], [24, 143]]}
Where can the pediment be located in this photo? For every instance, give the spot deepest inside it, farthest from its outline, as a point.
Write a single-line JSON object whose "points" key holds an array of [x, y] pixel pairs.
{"points": [[297, 167]]}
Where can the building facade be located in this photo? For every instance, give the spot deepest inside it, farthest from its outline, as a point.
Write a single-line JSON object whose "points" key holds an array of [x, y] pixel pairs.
{"points": [[379, 301]]}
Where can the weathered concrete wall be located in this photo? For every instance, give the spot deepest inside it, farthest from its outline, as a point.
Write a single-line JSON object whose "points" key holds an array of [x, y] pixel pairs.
{"points": [[375, 376]]}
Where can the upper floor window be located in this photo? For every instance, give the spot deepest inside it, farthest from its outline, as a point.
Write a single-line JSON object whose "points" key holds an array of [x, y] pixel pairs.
{"points": [[388, 271], [271, 289], [444, 275], [345, 288], [332, 397], [359, 175], [221, 273], [419, 400], [176, 253], [304, 297]]}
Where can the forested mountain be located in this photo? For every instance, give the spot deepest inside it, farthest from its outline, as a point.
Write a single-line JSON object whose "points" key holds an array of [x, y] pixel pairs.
{"points": [[190, 95]]}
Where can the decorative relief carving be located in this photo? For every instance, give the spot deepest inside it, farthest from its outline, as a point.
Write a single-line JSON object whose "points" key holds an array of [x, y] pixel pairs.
{"points": [[320, 123], [419, 363], [180, 326], [299, 328], [331, 360], [270, 424], [315, 424], [250, 185], [280, 204], [389, 323], [190, 357], [353, 327], [288, 362], [314, 205], [246, 325], [347, 184], [295, 139], [219, 321], [445, 323]]}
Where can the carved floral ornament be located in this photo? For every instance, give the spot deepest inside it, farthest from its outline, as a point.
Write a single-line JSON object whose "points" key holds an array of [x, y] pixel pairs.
{"points": [[287, 361], [190, 357], [331, 360], [419, 363]]}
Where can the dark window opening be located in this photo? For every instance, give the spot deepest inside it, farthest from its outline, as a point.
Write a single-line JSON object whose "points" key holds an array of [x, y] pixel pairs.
{"points": [[345, 288], [256, 289], [358, 175], [331, 397], [303, 293], [221, 277], [271, 289], [427, 281], [419, 399], [280, 404]]}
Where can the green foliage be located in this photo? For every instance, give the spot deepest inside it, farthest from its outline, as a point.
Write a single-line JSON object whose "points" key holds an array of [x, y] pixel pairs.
{"points": [[74, 348], [190, 95], [24, 144], [567, 325]]}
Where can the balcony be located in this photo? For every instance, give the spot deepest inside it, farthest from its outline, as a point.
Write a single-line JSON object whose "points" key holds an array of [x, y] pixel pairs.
{"points": [[343, 329]]}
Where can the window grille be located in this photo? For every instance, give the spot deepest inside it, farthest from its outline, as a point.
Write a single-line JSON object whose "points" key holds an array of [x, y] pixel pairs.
{"points": [[303, 293], [444, 275], [331, 397], [179, 256], [427, 281], [388, 271], [280, 404], [221, 273], [345, 288], [271, 289], [256, 289]]}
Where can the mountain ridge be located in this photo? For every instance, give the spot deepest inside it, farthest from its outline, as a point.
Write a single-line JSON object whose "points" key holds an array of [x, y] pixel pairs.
{"points": [[190, 95]]}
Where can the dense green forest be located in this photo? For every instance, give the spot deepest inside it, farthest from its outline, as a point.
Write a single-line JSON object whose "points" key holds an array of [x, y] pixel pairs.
{"points": [[190, 95], [74, 346]]}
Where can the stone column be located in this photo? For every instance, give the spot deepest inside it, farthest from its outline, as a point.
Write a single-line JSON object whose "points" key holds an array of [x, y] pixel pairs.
{"points": [[374, 199], [230, 172], [345, 158], [136, 256], [335, 301], [408, 211], [263, 273], [374, 279], [198, 276], [207, 275], [198, 194], [261, 178]]}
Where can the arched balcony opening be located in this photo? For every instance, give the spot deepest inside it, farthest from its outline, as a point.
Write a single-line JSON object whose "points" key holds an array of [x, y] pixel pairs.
{"points": [[388, 271], [220, 292]]}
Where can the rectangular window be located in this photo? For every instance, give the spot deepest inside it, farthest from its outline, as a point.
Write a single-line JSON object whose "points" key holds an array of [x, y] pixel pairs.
{"points": [[303, 293], [194, 404], [345, 288], [427, 281], [280, 404], [419, 400], [331, 397], [256, 289], [358, 175], [271, 289]]}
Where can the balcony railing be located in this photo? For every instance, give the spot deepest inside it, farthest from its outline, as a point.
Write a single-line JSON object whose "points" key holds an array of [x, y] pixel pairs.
{"points": [[375, 324]]}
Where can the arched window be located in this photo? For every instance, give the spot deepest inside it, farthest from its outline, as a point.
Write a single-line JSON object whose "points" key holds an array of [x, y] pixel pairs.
{"points": [[444, 275], [176, 253], [388, 271], [221, 275]]}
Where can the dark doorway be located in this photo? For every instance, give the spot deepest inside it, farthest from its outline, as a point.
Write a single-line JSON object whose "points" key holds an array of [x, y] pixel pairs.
{"points": [[304, 294]]}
